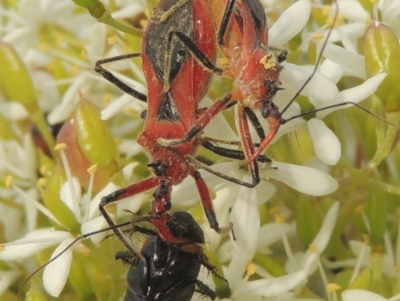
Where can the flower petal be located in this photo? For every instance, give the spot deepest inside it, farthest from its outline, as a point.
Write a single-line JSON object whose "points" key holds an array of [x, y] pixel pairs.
{"points": [[321, 240], [355, 94], [13, 110], [269, 234], [32, 243], [272, 287], [294, 77], [56, 273], [304, 179], [92, 226], [289, 24], [326, 145], [357, 295], [246, 221], [347, 59], [7, 278]]}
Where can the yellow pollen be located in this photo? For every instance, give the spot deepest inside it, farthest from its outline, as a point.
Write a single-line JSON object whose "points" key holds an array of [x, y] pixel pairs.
{"points": [[398, 268], [280, 219], [143, 23], [60, 146], [75, 69], [326, 10], [374, 1], [107, 98], [251, 269], [44, 168], [360, 208], [274, 210], [9, 180], [213, 194], [313, 248], [83, 54], [83, 249], [269, 62], [131, 111], [318, 37], [339, 20], [2, 248], [59, 42], [44, 47], [118, 141], [333, 287], [50, 66], [224, 62], [111, 40], [41, 182], [366, 238], [92, 169]]}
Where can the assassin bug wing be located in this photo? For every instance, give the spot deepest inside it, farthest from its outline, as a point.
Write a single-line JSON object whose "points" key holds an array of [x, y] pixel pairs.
{"points": [[175, 95]]}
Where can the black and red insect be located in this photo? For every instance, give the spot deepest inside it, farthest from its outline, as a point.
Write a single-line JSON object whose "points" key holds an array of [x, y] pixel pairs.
{"points": [[178, 46]]}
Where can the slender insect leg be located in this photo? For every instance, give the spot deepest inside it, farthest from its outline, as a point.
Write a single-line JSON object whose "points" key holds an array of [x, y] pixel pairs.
{"points": [[207, 202], [114, 80], [119, 195]]}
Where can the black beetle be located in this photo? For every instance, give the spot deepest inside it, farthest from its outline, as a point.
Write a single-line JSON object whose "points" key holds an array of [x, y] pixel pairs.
{"points": [[169, 271]]}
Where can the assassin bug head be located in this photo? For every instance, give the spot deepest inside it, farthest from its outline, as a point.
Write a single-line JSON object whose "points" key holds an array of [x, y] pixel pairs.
{"points": [[274, 116]]}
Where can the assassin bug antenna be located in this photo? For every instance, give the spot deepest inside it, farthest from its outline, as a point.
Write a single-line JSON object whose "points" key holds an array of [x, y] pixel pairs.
{"points": [[65, 249]]}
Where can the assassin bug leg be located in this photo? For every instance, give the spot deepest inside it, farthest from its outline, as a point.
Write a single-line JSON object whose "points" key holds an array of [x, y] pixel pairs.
{"points": [[111, 78], [176, 82]]}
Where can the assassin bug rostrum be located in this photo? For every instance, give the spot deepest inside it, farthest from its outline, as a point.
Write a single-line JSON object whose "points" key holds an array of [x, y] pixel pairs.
{"points": [[169, 271]]}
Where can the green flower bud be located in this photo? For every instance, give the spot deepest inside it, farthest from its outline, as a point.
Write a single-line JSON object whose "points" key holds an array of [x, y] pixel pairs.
{"points": [[381, 51], [95, 7], [94, 137], [15, 80], [77, 160], [17, 85]]}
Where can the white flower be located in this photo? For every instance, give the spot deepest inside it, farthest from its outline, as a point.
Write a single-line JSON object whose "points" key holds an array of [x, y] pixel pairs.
{"points": [[355, 295]]}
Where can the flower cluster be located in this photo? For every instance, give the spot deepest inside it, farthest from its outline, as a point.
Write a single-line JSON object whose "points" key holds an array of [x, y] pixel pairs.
{"points": [[323, 224]]}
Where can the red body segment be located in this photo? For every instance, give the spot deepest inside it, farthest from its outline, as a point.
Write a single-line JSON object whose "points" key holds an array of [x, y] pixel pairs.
{"points": [[187, 87], [255, 68], [176, 84], [252, 66]]}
